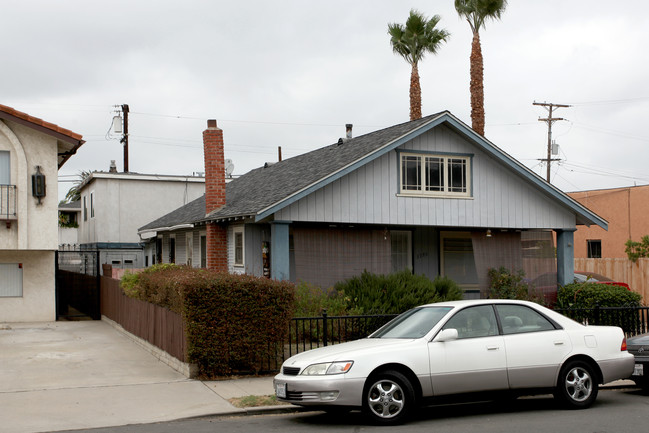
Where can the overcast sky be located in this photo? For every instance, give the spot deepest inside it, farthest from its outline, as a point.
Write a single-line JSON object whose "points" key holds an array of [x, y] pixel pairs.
{"points": [[292, 73]]}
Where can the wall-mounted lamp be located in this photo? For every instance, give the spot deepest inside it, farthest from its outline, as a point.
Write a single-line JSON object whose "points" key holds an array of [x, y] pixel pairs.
{"points": [[38, 184], [488, 233]]}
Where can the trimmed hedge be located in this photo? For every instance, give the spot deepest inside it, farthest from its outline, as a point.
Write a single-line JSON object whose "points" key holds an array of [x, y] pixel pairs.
{"points": [[234, 323], [589, 295], [395, 293]]}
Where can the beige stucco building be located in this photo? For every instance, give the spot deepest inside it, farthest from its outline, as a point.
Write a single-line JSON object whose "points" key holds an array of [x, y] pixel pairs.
{"points": [[29, 147], [627, 212]]}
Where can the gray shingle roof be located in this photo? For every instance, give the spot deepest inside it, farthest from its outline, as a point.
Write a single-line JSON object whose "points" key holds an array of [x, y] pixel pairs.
{"points": [[267, 187], [263, 187]]}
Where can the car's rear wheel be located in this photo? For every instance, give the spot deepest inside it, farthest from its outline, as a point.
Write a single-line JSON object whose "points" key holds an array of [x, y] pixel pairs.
{"points": [[388, 398], [577, 386]]}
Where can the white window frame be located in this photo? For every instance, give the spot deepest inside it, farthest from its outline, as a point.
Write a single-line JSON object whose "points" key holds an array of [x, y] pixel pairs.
{"points": [[424, 188], [239, 231]]}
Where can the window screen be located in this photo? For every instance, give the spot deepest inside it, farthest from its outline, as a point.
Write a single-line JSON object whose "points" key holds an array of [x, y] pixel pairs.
{"points": [[11, 280]]}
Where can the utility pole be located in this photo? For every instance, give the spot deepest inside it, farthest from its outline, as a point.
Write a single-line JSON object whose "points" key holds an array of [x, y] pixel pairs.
{"points": [[550, 120], [125, 136]]}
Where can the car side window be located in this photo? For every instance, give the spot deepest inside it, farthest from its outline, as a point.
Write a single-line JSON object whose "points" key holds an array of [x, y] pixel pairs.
{"points": [[519, 319], [474, 322]]}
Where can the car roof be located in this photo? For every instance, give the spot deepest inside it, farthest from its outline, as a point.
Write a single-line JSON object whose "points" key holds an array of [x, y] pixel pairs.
{"points": [[468, 302]]}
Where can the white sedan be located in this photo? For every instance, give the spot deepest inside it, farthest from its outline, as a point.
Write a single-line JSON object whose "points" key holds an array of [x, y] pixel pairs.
{"points": [[459, 347]]}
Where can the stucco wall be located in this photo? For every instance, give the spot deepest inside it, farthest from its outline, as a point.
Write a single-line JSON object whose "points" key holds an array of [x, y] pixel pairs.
{"points": [[37, 303], [35, 227], [626, 211], [122, 206]]}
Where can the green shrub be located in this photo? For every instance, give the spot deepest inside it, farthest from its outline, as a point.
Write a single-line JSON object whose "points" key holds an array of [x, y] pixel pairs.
{"points": [[589, 295], [506, 284], [636, 250], [234, 323], [310, 301], [395, 293]]}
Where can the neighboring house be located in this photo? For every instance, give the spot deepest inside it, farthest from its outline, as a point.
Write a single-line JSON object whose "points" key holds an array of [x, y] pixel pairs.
{"points": [[428, 195], [31, 152], [114, 205], [626, 211], [69, 215]]}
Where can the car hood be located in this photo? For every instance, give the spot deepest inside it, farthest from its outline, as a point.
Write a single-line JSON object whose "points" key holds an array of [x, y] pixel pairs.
{"points": [[638, 340], [346, 351]]}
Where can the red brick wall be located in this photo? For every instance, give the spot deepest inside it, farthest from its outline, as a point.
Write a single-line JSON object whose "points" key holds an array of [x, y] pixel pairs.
{"points": [[217, 240], [217, 247]]}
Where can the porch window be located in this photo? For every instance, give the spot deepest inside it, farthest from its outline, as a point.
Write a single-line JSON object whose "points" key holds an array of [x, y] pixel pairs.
{"points": [[594, 248], [238, 246], [172, 249], [401, 250], [435, 175]]}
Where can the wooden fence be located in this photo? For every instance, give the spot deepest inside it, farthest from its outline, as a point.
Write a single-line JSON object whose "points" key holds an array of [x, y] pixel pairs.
{"points": [[636, 275], [157, 325]]}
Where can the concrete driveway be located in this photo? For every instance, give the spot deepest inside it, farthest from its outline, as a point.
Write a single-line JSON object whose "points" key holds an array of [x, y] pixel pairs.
{"points": [[74, 375]]}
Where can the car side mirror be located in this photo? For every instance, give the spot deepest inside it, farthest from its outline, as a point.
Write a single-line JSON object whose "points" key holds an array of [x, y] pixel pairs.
{"points": [[446, 335]]}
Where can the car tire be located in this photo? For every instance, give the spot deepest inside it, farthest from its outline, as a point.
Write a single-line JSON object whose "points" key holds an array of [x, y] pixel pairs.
{"points": [[388, 398], [577, 385]]}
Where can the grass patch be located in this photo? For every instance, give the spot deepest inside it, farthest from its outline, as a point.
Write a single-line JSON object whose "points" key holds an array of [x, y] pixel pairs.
{"points": [[255, 401]]}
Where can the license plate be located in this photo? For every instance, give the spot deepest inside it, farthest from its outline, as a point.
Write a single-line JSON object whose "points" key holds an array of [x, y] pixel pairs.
{"points": [[280, 390], [638, 370]]}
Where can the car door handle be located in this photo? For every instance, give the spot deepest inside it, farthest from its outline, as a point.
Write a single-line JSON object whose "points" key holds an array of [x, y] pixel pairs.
{"points": [[558, 343], [493, 347]]}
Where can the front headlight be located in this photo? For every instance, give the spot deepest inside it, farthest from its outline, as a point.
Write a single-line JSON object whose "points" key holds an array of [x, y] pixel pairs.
{"points": [[327, 368]]}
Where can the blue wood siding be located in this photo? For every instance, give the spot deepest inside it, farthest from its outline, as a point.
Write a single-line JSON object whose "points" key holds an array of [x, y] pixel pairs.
{"points": [[500, 198]]}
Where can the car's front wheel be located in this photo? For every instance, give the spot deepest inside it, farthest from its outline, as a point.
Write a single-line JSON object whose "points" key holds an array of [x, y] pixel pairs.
{"points": [[577, 385], [388, 398]]}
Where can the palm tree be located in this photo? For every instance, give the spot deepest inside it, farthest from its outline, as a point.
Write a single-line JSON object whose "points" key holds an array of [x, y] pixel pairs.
{"points": [[74, 193], [476, 12], [412, 41]]}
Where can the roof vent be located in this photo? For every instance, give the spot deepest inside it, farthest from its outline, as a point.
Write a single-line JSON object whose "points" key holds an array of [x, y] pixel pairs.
{"points": [[268, 164], [340, 141]]}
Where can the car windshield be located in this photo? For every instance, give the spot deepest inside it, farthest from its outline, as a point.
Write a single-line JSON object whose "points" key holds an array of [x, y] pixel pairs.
{"points": [[414, 323]]}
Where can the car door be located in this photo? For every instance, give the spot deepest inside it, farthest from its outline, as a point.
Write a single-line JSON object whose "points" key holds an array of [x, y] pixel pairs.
{"points": [[534, 345], [475, 361]]}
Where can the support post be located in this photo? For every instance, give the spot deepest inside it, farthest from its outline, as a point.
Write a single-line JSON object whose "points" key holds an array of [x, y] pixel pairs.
{"points": [[279, 250], [565, 256]]}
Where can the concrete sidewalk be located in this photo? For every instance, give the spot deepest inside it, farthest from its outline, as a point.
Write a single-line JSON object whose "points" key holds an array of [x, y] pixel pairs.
{"points": [[79, 375]]}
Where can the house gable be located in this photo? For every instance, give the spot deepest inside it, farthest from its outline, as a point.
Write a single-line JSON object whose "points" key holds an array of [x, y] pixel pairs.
{"points": [[500, 198], [474, 143]]}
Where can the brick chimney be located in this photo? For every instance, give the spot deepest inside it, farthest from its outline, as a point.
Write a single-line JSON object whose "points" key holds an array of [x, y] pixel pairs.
{"points": [[217, 241]]}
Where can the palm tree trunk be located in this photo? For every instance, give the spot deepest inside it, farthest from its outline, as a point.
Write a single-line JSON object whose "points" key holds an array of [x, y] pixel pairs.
{"points": [[476, 86], [415, 94]]}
